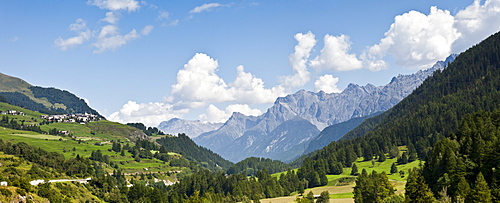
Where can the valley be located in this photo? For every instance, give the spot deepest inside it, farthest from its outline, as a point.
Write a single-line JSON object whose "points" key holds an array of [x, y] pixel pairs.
{"points": [[432, 135]]}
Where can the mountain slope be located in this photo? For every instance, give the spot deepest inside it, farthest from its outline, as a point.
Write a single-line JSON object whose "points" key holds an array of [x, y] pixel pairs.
{"points": [[468, 85], [192, 129], [335, 132], [46, 100], [236, 139], [434, 110]]}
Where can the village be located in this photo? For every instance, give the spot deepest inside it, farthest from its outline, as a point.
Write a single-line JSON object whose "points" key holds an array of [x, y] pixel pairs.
{"points": [[71, 118]]}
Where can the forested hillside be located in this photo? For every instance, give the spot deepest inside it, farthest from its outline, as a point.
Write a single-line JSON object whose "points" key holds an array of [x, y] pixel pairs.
{"points": [[184, 145], [433, 111], [45, 100], [251, 165]]}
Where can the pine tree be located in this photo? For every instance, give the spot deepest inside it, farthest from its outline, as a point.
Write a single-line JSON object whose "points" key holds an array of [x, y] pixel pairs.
{"points": [[381, 157], [481, 192], [394, 168], [417, 189], [354, 170], [463, 188]]}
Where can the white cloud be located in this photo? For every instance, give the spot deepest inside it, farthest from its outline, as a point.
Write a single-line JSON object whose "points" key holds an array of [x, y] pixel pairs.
{"points": [[327, 83], [205, 7], [475, 23], [146, 30], [216, 115], [198, 82], [83, 34], [15, 39], [246, 88], [151, 114], [335, 55], [163, 15], [415, 40], [109, 39], [115, 5], [298, 61], [111, 17]]}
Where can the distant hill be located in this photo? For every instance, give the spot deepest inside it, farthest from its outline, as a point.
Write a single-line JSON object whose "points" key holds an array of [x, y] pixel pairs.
{"points": [[184, 145], [45, 100]]}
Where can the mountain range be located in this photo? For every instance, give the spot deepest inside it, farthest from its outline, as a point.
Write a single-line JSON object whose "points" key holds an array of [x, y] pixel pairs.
{"points": [[286, 129], [192, 129]]}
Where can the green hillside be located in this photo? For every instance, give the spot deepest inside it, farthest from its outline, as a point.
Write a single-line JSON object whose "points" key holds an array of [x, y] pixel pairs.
{"points": [[435, 110], [17, 172], [46, 100]]}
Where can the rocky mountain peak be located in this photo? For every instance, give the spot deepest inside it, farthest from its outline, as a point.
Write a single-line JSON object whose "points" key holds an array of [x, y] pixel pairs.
{"points": [[242, 136]]}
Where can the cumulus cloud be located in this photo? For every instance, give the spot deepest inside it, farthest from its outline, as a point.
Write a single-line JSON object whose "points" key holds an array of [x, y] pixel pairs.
{"points": [[115, 5], [415, 40], [247, 88], [327, 83], [475, 23], [298, 61], [205, 7], [83, 34], [151, 114], [335, 55], [216, 115], [198, 84], [198, 81], [109, 39]]}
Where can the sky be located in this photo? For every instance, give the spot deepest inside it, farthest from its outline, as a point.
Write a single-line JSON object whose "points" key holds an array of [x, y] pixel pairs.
{"points": [[150, 61]]}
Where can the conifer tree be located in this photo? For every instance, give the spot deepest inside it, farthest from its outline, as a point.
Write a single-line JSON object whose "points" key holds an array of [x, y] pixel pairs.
{"points": [[354, 170], [381, 157], [463, 188], [394, 168], [481, 192], [417, 189]]}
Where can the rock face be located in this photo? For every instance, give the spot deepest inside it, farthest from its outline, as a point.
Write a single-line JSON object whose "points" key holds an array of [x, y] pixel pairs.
{"points": [[286, 129], [192, 129]]}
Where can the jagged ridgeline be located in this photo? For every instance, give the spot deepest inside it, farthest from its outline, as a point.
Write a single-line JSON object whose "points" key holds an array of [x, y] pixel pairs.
{"points": [[434, 110], [18, 92], [469, 84]]}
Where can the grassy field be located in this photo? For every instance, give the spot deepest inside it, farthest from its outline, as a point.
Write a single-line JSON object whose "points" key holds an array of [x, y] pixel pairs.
{"points": [[344, 193], [71, 148]]}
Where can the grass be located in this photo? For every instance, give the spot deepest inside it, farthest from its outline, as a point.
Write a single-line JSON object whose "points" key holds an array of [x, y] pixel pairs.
{"points": [[342, 195], [398, 181], [71, 148]]}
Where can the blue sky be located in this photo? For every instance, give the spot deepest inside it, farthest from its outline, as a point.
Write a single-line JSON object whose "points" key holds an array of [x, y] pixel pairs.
{"points": [[149, 61]]}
